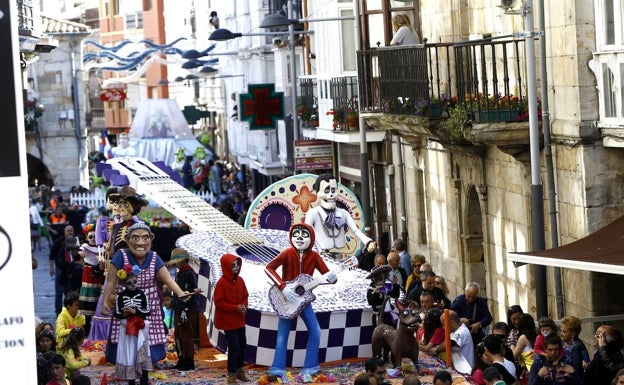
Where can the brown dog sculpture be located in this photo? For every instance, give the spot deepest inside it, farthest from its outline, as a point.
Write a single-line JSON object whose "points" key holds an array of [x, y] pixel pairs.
{"points": [[400, 342]]}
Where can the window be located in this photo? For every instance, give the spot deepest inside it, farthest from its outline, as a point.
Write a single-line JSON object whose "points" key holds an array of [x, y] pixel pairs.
{"points": [[376, 20], [609, 24]]}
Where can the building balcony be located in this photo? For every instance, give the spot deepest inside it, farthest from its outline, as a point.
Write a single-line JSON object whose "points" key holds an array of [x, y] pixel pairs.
{"points": [[413, 90]]}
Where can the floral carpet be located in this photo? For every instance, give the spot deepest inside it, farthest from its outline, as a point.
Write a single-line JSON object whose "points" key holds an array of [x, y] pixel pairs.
{"points": [[211, 370]]}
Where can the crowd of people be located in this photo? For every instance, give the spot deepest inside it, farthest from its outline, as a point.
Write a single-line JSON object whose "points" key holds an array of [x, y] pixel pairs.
{"points": [[135, 293], [517, 350]]}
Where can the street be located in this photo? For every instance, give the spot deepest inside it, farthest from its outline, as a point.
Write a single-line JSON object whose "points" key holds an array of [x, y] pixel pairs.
{"points": [[44, 285]]}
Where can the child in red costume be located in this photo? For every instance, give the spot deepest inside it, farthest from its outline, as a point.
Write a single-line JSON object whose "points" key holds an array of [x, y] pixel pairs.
{"points": [[230, 298]]}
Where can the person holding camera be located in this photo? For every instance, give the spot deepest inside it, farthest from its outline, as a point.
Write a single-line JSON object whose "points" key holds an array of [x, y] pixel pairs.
{"points": [[608, 356], [553, 368]]}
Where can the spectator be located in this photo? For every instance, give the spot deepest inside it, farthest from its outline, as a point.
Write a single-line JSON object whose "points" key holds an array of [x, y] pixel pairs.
{"points": [[432, 332], [70, 350], [428, 284], [440, 283], [461, 341], [376, 369], [523, 351], [494, 356], [480, 365], [405, 34], [551, 368], [442, 377], [513, 318], [413, 279], [608, 356], [573, 347], [400, 248], [491, 376], [397, 275], [69, 317], [546, 327], [473, 311], [59, 258], [380, 260]]}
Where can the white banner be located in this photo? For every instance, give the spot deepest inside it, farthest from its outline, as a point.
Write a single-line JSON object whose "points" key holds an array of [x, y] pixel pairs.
{"points": [[17, 317]]}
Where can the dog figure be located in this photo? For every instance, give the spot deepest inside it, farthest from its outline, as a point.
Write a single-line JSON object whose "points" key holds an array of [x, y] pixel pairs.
{"points": [[401, 341]]}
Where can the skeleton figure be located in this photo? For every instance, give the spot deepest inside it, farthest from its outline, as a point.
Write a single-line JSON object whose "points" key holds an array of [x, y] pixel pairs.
{"points": [[330, 222]]}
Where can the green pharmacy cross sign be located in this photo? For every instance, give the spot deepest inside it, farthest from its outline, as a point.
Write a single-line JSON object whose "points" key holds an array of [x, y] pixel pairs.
{"points": [[261, 107], [192, 114]]}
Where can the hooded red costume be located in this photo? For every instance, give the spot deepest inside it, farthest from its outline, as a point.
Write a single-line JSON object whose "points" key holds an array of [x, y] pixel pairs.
{"points": [[230, 291]]}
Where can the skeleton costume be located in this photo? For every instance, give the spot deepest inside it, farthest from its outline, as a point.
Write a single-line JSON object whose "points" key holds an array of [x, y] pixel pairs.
{"points": [[133, 354], [330, 223]]}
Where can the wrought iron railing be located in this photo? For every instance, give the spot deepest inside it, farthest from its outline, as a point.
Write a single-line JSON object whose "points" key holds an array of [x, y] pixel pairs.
{"points": [[481, 75]]}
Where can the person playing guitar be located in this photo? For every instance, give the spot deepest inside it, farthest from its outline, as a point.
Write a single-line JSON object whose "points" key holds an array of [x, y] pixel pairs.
{"points": [[294, 261]]}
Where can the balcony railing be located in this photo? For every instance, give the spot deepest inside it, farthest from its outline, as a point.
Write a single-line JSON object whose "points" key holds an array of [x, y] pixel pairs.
{"points": [[480, 74]]}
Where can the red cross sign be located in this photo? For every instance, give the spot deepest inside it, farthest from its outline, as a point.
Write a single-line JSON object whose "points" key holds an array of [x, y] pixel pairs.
{"points": [[261, 107]]}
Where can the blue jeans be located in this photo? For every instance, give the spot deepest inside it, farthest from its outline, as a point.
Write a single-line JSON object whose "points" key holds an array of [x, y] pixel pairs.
{"points": [[311, 362], [236, 342]]}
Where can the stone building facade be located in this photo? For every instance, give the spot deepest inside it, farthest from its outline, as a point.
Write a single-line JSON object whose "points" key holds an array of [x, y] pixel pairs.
{"points": [[467, 209]]}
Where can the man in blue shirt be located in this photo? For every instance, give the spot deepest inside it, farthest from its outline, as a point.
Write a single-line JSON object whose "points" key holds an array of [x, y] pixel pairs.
{"points": [[473, 311]]}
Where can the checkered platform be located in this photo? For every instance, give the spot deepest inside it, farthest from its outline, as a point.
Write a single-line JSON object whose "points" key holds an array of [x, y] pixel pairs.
{"points": [[341, 309]]}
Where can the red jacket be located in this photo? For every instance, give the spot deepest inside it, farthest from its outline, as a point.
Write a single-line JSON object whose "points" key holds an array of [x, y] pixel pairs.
{"points": [[230, 292], [293, 264]]}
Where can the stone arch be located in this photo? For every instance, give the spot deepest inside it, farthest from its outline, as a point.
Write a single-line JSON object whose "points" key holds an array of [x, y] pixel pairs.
{"points": [[38, 172], [472, 239]]}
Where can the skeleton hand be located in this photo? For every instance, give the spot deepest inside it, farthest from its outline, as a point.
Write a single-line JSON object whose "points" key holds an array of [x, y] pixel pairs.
{"points": [[183, 316], [371, 246], [331, 277]]}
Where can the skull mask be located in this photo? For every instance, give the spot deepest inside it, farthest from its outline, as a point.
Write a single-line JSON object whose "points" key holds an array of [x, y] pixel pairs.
{"points": [[328, 191]]}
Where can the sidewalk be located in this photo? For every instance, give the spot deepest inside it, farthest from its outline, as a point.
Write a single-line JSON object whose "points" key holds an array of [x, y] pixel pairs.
{"points": [[44, 285]]}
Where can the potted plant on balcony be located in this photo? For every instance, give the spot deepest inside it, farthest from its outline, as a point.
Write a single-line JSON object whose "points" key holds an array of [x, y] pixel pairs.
{"points": [[353, 115], [32, 111], [308, 113], [460, 118], [338, 117], [434, 108]]}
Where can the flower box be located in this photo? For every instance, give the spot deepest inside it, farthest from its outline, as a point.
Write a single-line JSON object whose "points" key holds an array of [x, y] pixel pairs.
{"points": [[497, 115]]}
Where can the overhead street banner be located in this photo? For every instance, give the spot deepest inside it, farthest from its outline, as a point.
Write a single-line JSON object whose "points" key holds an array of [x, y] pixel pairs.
{"points": [[313, 155]]}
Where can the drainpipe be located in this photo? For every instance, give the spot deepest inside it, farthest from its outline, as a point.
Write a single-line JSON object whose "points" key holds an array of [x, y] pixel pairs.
{"points": [[537, 190], [365, 196], [75, 99], [401, 188], [552, 203]]}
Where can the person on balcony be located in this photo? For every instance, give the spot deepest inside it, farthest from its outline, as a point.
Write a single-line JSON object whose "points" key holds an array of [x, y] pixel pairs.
{"points": [[405, 34]]}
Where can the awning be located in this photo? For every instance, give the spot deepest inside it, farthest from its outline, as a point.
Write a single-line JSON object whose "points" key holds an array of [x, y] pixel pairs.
{"points": [[602, 251]]}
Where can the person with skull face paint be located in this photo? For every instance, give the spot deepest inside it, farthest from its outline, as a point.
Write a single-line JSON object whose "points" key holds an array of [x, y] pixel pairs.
{"points": [[294, 261], [329, 221], [231, 301]]}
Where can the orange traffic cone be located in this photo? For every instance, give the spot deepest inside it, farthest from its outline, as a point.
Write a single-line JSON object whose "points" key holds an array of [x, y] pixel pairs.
{"points": [[104, 380], [204, 341]]}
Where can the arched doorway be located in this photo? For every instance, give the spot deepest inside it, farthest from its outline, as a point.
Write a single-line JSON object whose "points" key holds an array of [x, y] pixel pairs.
{"points": [[472, 240], [38, 172]]}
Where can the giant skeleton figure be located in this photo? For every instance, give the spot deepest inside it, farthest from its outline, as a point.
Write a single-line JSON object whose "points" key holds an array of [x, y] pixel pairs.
{"points": [[298, 259], [110, 236], [331, 222]]}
